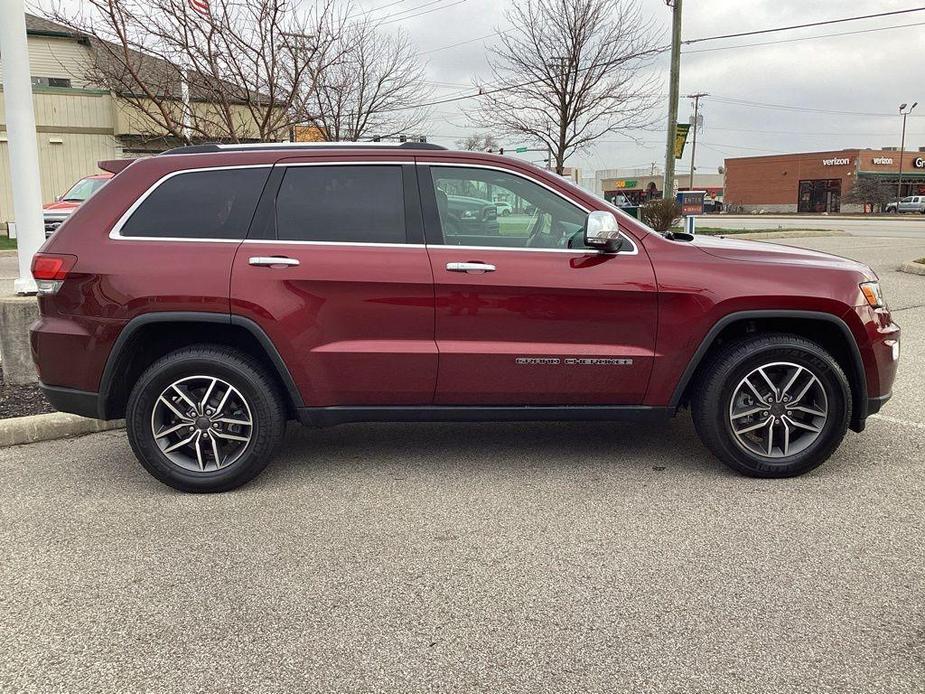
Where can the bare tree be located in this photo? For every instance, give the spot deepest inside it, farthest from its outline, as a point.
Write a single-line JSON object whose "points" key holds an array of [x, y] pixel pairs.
{"points": [[478, 142], [567, 72], [239, 73], [870, 191], [366, 90]]}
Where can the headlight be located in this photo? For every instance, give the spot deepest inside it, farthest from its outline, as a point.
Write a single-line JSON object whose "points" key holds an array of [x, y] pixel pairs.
{"points": [[873, 294]]}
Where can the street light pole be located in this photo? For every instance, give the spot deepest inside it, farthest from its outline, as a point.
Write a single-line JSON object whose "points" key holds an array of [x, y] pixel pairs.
{"points": [[24, 152], [673, 87], [902, 146]]}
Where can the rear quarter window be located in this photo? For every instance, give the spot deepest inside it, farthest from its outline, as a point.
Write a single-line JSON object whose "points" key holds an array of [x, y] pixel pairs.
{"points": [[217, 204]]}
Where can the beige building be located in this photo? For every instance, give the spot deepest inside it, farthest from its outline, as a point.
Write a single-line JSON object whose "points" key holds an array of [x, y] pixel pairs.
{"points": [[77, 125]]}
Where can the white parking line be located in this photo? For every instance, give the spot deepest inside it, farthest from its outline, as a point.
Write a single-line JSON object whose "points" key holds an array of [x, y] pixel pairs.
{"points": [[894, 420]]}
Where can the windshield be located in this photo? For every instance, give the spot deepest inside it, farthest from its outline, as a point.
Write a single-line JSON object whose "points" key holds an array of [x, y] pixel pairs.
{"points": [[83, 189]]}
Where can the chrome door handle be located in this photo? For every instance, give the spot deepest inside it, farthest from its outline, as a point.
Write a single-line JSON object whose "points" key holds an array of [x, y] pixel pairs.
{"points": [[470, 267], [270, 260]]}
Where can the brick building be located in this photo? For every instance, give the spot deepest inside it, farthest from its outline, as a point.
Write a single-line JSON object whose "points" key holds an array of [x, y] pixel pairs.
{"points": [[815, 181]]}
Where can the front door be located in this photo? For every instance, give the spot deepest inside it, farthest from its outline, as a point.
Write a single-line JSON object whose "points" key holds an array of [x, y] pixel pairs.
{"points": [[525, 313], [336, 273]]}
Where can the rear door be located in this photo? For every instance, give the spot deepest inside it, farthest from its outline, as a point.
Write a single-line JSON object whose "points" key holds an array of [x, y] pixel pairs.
{"points": [[336, 273], [526, 314]]}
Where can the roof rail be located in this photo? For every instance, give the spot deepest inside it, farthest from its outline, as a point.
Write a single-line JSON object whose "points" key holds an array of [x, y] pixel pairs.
{"points": [[250, 146]]}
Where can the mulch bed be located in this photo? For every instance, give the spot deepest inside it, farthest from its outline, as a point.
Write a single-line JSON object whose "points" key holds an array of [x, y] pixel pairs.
{"points": [[19, 401]]}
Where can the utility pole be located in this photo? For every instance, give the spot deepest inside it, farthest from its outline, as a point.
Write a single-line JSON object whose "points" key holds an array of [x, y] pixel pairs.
{"points": [[902, 146], [668, 186], [696, 97], [24, 153]]}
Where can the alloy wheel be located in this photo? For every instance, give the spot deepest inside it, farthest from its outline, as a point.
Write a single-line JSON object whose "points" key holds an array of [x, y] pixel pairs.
{"points": [[778, 410], [202, 423]]}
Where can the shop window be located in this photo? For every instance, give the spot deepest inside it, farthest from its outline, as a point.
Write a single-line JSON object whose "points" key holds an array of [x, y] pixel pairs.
{"points": [[821, 195]]}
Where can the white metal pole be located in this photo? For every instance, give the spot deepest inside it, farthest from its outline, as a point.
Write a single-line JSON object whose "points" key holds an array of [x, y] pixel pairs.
{"points": [[24, 153], [187, 112]]}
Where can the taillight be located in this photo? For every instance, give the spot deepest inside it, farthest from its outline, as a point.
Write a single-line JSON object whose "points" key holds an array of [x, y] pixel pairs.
{"points": [[50, 270]]}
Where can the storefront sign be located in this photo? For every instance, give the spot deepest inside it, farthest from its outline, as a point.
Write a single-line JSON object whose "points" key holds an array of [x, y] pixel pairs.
{"points": [[919, 163], [836, 162], [626, 183], [883, 161]]}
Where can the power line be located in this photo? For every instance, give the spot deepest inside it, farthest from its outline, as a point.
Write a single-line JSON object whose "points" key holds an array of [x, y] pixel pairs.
{"points": [[369, 11], [463, 43], [732, 101], [388, 18], [802, 38], [488, 92], [804, 26], [741, 34]]}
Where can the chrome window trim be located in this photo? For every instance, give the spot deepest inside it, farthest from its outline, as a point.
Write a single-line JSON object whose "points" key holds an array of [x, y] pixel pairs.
{"points": [[277, 242], [116, 232], [569, 200]]}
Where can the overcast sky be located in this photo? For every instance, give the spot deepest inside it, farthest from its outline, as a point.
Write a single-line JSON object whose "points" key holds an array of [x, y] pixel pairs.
{"points": [[866, 73]]}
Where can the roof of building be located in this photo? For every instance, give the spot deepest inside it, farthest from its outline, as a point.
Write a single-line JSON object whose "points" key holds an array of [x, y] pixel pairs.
{"points": [[46, 27]]}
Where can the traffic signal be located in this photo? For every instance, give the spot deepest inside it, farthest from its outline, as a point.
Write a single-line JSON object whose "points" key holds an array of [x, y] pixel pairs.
{"points": [[501, 150]]}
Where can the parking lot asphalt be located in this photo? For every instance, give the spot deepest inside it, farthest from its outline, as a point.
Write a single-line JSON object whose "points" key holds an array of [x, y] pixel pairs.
{"points": [[480, 557]]}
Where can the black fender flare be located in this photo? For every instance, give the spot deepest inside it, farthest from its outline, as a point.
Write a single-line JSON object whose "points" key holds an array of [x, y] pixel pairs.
{"points": [[112, 361], [858, 375]]}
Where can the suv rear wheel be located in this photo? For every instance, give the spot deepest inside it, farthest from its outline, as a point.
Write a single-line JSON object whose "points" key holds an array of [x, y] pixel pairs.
{"points": [[205, 419], [772, 406]]}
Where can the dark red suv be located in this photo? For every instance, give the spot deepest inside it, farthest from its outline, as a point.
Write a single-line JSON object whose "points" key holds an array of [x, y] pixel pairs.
{"points": [[210, 294]]}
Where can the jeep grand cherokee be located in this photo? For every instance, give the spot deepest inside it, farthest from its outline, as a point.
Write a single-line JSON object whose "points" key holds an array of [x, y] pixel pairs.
{"points": [[210, 294]]}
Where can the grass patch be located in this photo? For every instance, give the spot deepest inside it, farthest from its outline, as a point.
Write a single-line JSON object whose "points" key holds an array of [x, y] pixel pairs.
{"points": [[6, 243], [920, 260]]}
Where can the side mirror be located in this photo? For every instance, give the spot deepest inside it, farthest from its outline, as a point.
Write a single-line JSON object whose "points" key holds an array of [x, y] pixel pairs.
{"points": [[602, 232]]}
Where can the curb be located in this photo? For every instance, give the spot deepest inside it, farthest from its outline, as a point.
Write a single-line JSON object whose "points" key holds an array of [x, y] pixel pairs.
{"points": [[782, 234], [913, 268], [47, 427], [8, 252]]}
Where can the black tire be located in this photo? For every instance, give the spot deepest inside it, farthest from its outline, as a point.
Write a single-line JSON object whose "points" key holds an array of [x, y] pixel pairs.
{"points": [[244, 373], [715, 388]]}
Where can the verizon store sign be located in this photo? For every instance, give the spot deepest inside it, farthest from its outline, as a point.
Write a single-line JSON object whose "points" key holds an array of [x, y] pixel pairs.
{"points": [[838, 161], [883, 161]]}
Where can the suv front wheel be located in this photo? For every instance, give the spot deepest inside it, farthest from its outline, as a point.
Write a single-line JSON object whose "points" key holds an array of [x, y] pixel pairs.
{"points": [[205, 419], [772, 406]]}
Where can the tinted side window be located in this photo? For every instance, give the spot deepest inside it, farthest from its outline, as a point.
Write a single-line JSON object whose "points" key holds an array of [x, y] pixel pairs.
{"points": [[362, 204], [531, 216], [200, 205]]}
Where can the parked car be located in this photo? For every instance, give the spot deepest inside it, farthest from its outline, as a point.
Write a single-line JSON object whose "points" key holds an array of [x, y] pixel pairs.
{"points": [[474, 215], [911, 203], [56, 212], [211, 293], [503, 208]]}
